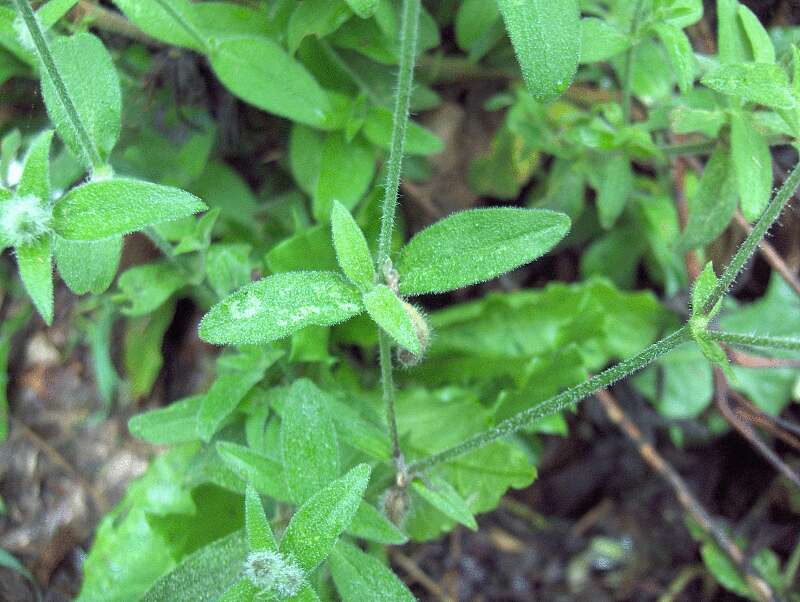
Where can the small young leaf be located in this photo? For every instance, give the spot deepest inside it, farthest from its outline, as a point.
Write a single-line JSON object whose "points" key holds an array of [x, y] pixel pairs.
{"points": [[345, 174], [363, 8], [107, 208], [35, 264], [175, 423], [615, 187], [352, 250], [35, 178], [703, 287], [88, 266], [714, 353], [713, 205], [317, 524], [546, 41], [752, 163], [370, 524], [92, 83], [760, 42], [228, 267], [264, 473], [447, 500], [389, 312], [600, 41], [762, 83], [259, 532], [360, 576], [205, 574], [681, 55], [258, 71], [279, 305], [475, 246], [309, 448]]}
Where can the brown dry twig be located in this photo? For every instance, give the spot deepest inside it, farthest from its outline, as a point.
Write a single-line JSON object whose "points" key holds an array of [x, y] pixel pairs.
{"points": [[417, 574], [686, 498]]}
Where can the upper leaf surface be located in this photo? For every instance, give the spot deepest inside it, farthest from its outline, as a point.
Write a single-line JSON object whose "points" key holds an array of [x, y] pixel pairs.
{"points": [[279, 305], [389, 313], [352, 251], [35, 177], [762, 83], [359, 576], [475, 246], [107, 208], [547, 42]]}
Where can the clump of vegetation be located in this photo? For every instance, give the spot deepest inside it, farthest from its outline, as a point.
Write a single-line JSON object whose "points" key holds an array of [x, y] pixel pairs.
{"points": [[343, 416]]}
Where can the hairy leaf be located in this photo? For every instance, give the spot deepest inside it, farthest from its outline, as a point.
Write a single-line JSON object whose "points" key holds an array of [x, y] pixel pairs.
{"points": [[351, 247], [752, 164], [713, 205], [475, 246], [447, 500], [761, 83], [259, 531], [264, 473], [172, 424], [88, 266], [389, 312], [360, 576], [35, 264]]}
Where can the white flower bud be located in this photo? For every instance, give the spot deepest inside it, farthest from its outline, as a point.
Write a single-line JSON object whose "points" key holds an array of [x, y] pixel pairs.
{"points": [[24, 220], [274, 572]]}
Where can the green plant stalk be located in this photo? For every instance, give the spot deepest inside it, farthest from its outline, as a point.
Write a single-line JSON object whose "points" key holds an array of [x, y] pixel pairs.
{"points": [[750, 244], [187, 27], [559, 402], [90, 157], [405, 79], [402, 103], [752, 340], [630, 57]]}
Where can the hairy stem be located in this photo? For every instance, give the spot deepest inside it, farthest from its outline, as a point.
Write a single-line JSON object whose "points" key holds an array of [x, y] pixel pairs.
{"points": [[560, 402], [752, 340], [90, 156], [184, 23], [750, 244], [630, 57], [402, 102], [385, 347]]}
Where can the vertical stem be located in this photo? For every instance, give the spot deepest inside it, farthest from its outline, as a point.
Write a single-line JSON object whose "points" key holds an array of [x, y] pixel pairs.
{"points": [[90, 155], [630, 57], [402, 103], [405, 78]]}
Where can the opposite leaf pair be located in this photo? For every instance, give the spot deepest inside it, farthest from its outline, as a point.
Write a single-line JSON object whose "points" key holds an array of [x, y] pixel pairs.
{"points": [[462, 249]]}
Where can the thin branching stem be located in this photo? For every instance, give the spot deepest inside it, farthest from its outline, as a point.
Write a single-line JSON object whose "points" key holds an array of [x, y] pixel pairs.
{"points": [[750, 244], [753, 340], [91, 157], [560, 402], [402, 103], [405, 79]]}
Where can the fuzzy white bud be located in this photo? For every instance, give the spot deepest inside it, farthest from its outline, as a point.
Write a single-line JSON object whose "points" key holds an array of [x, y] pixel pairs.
{"points": [[24, 220], [275, 573]]}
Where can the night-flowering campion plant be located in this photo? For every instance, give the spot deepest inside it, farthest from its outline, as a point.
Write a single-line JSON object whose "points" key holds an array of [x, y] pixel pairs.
{"points": [[344, 414]]}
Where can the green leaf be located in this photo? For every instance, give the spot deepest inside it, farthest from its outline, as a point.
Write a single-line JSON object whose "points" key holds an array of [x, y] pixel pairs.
{"points": [[309, 448], [713, 352], [370, 524], [315, 17], [35, 178], [680, 385], [346, 172], [543, 34], [88, 266], [478, 27], [732, 42], [702, 289], [258, 71], [723, 569], [761, 83], [363, 8], [152, 18], [352, 251], [714, 203], [317, 524], [600, 40], [145, 288], [442, 496], [142, 357], [107, 208], [35, 263], [204, 575], [760, 42], [681, 55], [170, 425], [241, 591], [360, 576], [390, 313], [475, 246], [227, 267], [615, 187], [264, 473], [92, 83], [419, 140], [752, 163], [279, 305], [259, 532]]}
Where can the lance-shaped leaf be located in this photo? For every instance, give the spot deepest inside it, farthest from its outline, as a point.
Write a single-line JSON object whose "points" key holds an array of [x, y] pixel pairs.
{"points": [[681, 55], [309, 446], [547, 41], [446, 499], [372, 525], [359, 576], [475, 246], [35, 178], [713, 205], [752, 163], [263, 472], [352, 251], [259, 71], [762, 83], [88, 266], [175, 423], [279, 305], [162, 23], [389, 313], [107, 208], [317, 524], [36, 271], [259, 532], [92, 83]]}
